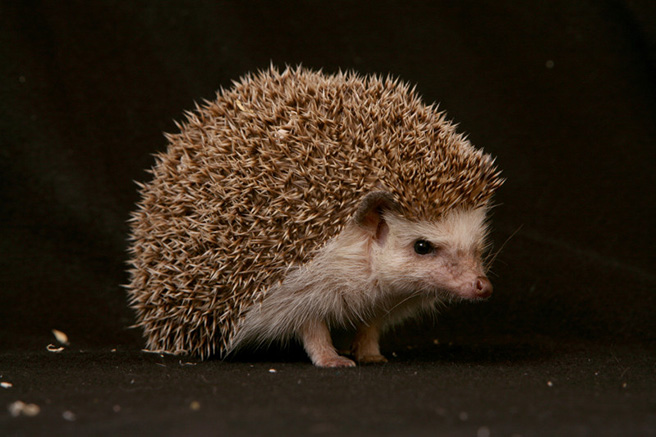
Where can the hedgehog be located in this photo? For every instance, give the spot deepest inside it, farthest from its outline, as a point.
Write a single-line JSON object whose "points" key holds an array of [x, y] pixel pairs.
{"points": [[297, 202]]}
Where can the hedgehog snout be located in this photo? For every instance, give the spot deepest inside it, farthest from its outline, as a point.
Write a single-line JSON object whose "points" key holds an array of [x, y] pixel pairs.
{"points": [[483, 287]]}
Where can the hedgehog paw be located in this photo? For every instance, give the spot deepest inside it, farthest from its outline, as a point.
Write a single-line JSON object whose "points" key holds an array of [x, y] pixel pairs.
{"points": [[372, 359], [337, 361]]}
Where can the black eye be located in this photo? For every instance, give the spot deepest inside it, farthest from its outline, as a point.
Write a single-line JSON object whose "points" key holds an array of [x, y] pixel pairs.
{"points": [[423, 247]]}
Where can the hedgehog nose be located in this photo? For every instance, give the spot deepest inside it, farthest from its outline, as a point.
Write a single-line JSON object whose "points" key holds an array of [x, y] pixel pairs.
{"points": [[483, 287]]}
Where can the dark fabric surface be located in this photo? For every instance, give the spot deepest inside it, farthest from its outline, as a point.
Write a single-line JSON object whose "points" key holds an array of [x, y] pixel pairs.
{"points": [[563, 93], [471, 390]]}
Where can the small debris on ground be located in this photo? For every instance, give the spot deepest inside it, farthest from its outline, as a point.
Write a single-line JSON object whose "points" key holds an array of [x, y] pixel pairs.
{"points": [[483, 431], [53, 348], [68, 415], [194, 406], [10, 385], [20, 408], [61, 337]]}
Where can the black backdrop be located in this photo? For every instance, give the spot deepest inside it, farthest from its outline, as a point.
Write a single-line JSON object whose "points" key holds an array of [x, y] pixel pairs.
{"points": [[562, 92]]}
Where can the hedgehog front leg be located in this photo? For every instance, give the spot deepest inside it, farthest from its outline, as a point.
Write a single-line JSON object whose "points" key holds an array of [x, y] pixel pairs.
{"points": [[319, 346], [365, 345]]}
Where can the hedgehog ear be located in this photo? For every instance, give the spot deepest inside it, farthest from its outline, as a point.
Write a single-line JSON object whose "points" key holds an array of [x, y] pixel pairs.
{"points": [[369, 214]]}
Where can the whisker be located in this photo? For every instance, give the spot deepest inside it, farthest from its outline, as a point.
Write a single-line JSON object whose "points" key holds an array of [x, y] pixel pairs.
{"points": [[488, 262], [414, 294]]}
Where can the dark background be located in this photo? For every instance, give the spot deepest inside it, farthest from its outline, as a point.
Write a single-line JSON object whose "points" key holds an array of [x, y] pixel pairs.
{"points": [[563, 93]]}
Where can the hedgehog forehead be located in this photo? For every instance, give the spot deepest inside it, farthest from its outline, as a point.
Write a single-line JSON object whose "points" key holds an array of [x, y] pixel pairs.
{"points": [[459, 229]]}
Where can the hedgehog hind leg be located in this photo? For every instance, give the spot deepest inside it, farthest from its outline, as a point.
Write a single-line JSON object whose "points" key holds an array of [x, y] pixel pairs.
{"points": [[366, 348], [319, 346]]}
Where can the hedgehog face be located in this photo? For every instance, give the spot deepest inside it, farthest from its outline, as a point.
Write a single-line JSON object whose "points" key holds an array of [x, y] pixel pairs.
{"points": [[441, 258]]}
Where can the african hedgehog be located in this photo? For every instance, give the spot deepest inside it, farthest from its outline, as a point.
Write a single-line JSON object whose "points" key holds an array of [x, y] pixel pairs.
{"points": [[299, 201]]}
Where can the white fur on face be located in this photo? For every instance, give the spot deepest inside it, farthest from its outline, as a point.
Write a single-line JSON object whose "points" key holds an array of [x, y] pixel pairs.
{"points": [[450, 270]]}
